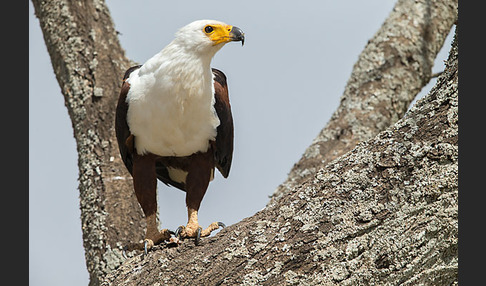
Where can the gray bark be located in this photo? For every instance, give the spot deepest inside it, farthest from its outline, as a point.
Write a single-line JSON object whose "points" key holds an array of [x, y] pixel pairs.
{"points": [[382, 213], [392, 69], [89, 64]]}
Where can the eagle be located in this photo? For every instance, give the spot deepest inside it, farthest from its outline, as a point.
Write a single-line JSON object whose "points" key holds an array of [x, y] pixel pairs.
{"points": [[173, 123]]}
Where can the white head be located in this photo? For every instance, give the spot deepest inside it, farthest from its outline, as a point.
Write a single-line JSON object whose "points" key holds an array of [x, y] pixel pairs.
{"points": [[207, 36]]}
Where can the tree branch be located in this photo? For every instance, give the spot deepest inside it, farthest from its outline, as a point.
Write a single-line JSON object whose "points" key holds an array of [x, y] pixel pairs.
{"points": [[392, 69]]}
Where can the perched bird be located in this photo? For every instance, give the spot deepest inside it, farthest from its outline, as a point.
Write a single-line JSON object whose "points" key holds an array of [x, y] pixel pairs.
{"points": [[174, 123]]}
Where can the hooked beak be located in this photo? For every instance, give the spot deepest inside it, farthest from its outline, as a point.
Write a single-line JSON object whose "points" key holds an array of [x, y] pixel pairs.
{"points": [[237, 35]]}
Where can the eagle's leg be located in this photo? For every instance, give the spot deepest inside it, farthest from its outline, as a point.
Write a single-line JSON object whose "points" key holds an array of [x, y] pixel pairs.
{"points": [[192, 228], [197, 181], [145, 185]]}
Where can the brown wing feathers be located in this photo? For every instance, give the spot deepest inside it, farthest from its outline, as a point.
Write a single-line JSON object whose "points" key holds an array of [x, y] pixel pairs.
{"points": [[224, 139], [121, 126]]}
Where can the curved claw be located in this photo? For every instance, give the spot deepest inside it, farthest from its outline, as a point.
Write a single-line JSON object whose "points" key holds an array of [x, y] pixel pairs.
{"points": [[198, 235], [221, 224], [124, 252], [145, 247], [178, 232]]}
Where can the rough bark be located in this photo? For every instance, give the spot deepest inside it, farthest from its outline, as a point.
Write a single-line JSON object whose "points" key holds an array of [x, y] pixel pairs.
{"points": [[89, 64], [392, 69], [385, 213]]}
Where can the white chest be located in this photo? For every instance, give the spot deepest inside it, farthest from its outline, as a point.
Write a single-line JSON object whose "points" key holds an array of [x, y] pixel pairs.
{"points": [[172, 114]]}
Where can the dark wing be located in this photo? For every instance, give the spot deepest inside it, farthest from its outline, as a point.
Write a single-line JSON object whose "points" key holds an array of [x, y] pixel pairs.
{"points": [[123, 135], [224, 139]]}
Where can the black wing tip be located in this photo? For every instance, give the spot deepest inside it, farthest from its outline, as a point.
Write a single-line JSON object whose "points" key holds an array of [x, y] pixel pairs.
{"points": [[224, 166], [224, 171]]}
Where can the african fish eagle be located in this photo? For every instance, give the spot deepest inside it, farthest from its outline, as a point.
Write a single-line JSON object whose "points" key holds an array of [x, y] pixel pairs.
{"points": [[174, 123]]}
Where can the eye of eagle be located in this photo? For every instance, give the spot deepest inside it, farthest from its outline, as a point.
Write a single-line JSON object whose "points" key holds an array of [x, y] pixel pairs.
{"points": [[208, 29]]}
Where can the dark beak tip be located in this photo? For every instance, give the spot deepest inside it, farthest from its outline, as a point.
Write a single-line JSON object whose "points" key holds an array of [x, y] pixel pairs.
{"points": [[238, 35]]}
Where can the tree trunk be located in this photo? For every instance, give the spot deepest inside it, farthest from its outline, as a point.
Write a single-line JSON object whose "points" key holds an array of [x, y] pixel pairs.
{"points": [[89, 64], [384, 212]]}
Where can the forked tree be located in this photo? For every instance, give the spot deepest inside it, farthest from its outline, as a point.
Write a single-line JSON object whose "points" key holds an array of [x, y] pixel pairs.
{"points": [[373, 200]]}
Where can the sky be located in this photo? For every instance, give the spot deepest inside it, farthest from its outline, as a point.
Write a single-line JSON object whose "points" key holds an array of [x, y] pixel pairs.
{"points": [[284, 85]]}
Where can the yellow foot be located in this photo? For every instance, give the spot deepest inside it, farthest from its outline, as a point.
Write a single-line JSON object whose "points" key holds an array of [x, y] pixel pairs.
{"points": [[154, 238], [194, 230]]}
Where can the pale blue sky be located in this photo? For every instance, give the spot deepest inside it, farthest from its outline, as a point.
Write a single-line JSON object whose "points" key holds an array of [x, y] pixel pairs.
{"points": [[284, 85]]}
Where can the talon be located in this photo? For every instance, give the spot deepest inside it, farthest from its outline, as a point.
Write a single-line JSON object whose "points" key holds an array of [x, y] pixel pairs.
{"points": [[221, 224], [147, 245], [198, 235], [124, 252], [179, 231]]}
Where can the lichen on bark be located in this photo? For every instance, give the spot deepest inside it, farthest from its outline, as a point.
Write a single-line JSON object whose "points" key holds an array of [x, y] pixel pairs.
{"points": [[392, 69]]}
